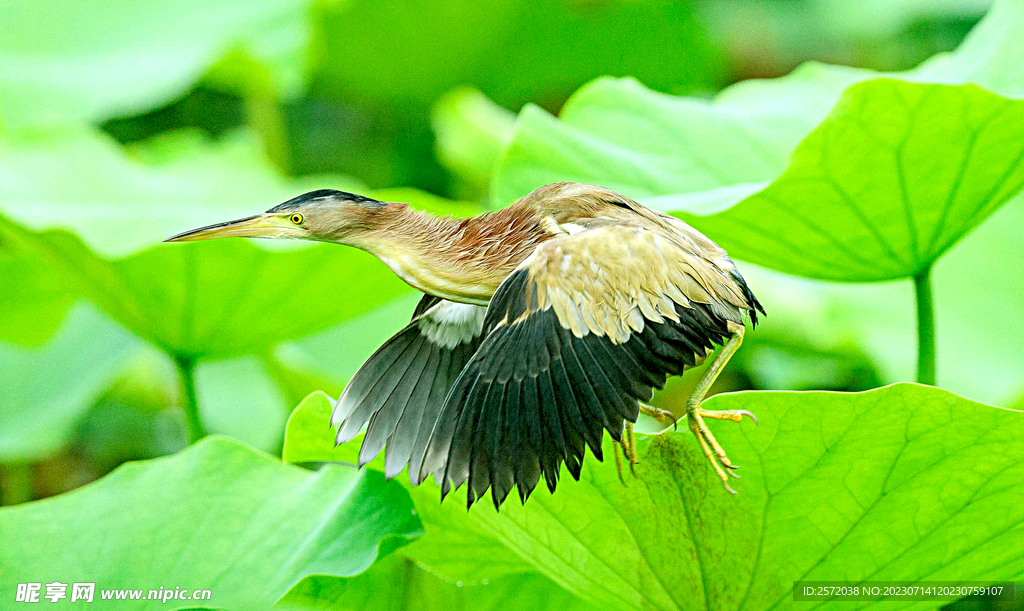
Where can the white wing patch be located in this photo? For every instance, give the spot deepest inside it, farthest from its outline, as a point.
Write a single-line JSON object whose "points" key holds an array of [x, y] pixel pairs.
{"points": [[449, 324]]}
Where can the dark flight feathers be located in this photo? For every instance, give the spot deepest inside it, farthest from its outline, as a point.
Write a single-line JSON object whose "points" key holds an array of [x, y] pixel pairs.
{"points": [[400, 391]]}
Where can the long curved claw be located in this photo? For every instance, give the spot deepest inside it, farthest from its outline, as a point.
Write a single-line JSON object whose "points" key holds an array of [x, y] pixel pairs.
{"points": [[744, 412]]}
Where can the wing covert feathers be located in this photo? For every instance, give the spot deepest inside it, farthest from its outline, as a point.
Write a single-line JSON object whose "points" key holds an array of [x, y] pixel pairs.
{"points": [[612, 278], [585, 328]]}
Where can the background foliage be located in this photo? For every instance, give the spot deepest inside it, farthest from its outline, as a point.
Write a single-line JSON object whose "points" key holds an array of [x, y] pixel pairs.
{"points": [[864, 194]]}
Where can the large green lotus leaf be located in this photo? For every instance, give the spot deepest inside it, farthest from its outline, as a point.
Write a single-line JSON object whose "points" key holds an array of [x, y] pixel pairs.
{"points": [[887, 166], [399, 584], [45, 390], [216, 516], [218, 298], [73, 62], [973, 287], [906, 482], [878, 191]]}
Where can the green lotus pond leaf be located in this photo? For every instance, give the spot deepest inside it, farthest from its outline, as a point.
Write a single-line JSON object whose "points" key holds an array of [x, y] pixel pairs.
{"points": [[906, 482], [179, 521]]}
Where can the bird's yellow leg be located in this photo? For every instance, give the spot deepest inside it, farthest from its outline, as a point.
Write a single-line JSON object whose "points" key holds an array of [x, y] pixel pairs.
{"points": [[618, 464], [712, 449], [629, 447], [628, 444]]}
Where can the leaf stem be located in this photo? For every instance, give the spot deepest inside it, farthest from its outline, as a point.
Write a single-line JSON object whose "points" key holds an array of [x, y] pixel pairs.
{"points": [[187, 367], [925, 327]]}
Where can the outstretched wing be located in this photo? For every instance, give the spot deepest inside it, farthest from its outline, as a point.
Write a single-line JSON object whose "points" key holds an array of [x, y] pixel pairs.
{"points": [[401, 388], [583, 329]]}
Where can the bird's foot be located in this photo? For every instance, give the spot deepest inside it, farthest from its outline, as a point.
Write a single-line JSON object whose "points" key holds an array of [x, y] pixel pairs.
{"points": [[712, 449], [661, 415], [628, 444]]}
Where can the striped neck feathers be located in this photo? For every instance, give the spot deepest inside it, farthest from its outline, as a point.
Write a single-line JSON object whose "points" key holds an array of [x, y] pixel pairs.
{"points": [[459, 259]]}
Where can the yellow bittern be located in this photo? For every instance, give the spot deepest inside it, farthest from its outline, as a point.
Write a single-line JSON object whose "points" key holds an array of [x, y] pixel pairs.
{"points": [[542, 325]]}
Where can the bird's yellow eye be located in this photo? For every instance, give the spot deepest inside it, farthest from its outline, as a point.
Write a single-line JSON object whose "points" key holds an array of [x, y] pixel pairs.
{"points": [[296, 218]]}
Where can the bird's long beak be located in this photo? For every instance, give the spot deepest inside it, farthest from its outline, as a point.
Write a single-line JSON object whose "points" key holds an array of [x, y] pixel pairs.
{"points": [[259, 226]]}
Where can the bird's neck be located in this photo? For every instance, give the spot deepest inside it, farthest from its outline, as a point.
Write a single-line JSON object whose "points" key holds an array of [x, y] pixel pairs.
{"points": [[461, 260]]}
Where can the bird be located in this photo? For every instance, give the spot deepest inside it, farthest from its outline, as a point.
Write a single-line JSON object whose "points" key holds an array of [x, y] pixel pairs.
{"points": [[541, 326]]}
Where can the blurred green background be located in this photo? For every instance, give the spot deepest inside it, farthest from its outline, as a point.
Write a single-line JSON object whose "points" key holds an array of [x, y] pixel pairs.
{"points": [[121, 124]]}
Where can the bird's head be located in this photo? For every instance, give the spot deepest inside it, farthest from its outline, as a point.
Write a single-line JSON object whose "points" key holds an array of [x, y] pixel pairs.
{"points": [[325, 216]]}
